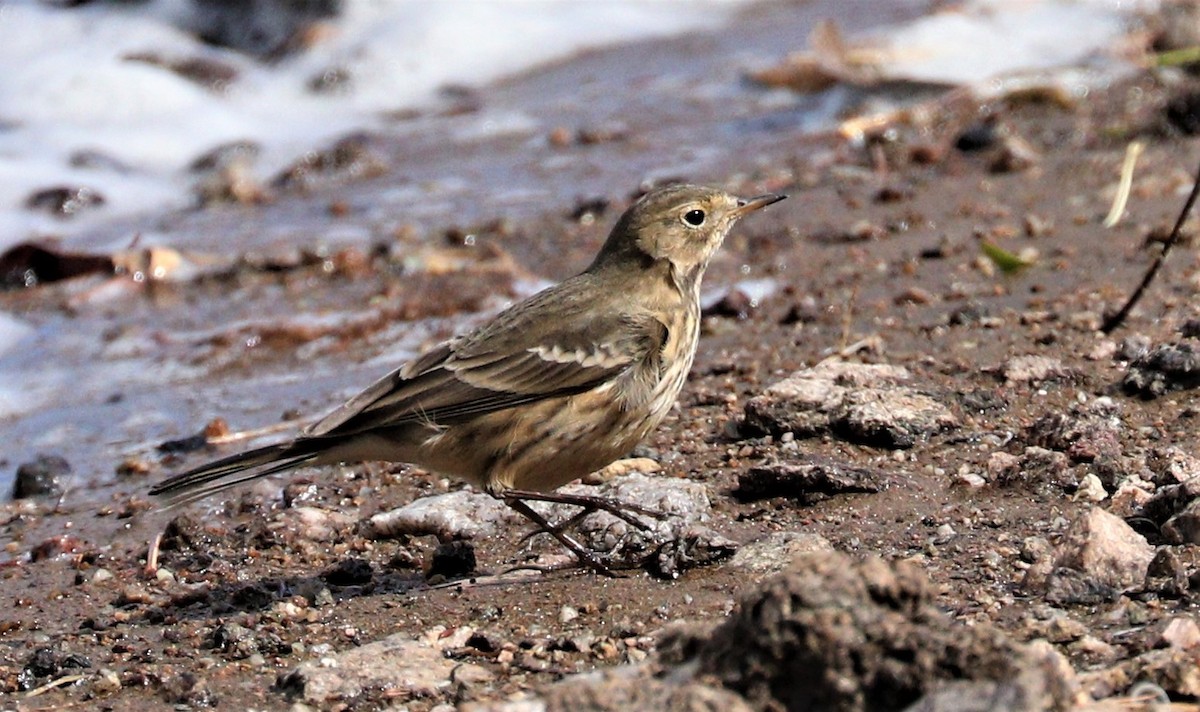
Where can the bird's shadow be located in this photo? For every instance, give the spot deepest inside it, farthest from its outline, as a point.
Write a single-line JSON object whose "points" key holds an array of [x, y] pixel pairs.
{"points": [[344, 581]]}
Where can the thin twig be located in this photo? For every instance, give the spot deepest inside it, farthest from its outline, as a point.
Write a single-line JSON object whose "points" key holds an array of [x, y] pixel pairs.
{"points": [[64, 680], [152, 555], [1132, 151], [1117, 319]]}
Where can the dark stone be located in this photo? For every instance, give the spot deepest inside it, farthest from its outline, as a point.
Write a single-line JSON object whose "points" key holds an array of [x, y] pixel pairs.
{"points": [[1174, 572], [983, 400], [967, 314], [268, 29], [349, 572], [808, 482], [349, 158], [735, 304], [188, 689], [28, 265], [187, 532], [977, 137], [454, 559], [1072, 587], [1082, 436], [41, 478], [51, 662], [179, 446], [1170, 500], [801, 312], [1190, 329], [64, 201], [225, 155], [252, 597], [1183, 112], [1165, 368], [235, 640]]}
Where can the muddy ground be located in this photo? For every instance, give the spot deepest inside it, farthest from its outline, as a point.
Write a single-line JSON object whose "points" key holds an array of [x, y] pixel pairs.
{"points": [[876, 256]]}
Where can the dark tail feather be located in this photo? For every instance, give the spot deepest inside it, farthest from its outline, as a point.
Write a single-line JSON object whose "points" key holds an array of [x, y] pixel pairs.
{"points": [[234, 470]]}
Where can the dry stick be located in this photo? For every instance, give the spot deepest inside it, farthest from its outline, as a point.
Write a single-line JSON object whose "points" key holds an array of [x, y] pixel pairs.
{"points": [[1117, 319], [1132, 151]]}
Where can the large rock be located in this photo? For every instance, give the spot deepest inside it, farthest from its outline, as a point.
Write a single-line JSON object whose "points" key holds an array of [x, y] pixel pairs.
{"points": [[810, 481], [860, 402], [394, 669], [456, 515], [831, 633], [1099, 557]]}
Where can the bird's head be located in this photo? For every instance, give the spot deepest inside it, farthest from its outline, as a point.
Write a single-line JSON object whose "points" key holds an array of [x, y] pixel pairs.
{"points": [[679, 224]]}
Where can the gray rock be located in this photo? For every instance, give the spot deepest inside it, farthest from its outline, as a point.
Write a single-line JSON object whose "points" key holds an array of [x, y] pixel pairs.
{"points": [[1170, 672], [397, 666], [456, 515], [893, 418], [776, 551], [1167, 367], [860, 402], [1032, 369], [1172, 465], [1085, 433]]}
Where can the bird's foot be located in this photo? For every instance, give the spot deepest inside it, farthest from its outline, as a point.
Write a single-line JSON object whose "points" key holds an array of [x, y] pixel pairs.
{"points": [[588, 503], [585, 557]]}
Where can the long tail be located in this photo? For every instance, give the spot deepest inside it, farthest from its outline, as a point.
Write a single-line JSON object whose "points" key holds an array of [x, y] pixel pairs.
{"points": [[234, 470]]}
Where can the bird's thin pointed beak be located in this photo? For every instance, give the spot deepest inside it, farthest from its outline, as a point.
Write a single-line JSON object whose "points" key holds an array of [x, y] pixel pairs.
{"points": [[749, 205]]}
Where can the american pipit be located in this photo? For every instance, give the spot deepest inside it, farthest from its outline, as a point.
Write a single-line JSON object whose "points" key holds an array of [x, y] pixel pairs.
{"points": [[550, 389]]}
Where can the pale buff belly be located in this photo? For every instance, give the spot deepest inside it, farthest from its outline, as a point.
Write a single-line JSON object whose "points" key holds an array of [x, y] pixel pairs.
{"points": [[540, 447]]}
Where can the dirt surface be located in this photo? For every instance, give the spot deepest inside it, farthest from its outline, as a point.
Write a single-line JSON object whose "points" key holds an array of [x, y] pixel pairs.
{"points": [[877, 256]]}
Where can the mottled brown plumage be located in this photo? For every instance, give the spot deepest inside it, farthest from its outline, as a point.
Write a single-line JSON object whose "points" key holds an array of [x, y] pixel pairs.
{"points": [[550, 389]]}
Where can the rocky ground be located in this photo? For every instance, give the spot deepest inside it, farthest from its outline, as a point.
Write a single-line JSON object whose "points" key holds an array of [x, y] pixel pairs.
{"points": [[904, 477]]}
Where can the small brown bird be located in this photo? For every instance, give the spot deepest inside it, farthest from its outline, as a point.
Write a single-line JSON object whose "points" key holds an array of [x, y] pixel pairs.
{"points": [[550, 389]]}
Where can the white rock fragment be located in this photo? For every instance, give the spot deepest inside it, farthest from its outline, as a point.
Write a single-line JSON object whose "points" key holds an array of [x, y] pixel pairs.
{"points": [[1091, 489], [406, 668], [455, 515]]}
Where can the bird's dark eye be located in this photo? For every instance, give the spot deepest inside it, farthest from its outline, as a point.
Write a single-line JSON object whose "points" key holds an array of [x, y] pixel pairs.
{"points": [[694, 217]]}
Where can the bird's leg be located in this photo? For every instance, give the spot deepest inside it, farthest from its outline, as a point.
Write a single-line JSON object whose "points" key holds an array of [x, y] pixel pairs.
{"points": [[561, 526], [585, 557], [589, 503]]}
